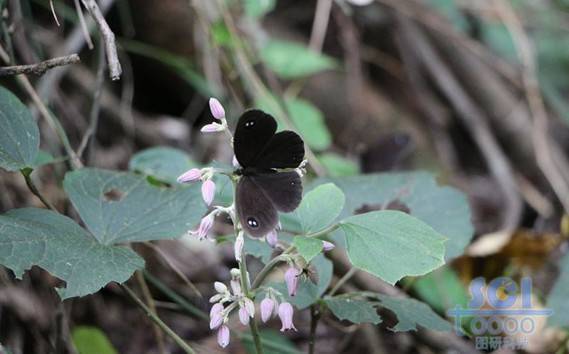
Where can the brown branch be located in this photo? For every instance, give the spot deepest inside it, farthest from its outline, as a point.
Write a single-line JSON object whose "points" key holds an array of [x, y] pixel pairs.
{"points": [[108, 36], [41, 67]]}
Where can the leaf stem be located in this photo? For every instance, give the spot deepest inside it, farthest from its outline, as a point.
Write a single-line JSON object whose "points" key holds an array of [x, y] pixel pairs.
{"points": [[185, 346], [27, 172], [268, 268], [314, 318], [342, 281]]}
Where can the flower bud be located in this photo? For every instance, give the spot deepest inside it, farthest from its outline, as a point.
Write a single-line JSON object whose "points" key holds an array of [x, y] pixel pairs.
{"points": [[235, 286], [244, 315], [220, 287], [215, 320], [205, 226], [216, 308], [291, 278], [212, 128], [268, 306], [216, 108], [272, 238], [208, 191], [239, 242], [223, 336], [249, 306], [285, 314], [234, 162], [190, 176], [328, 246]]}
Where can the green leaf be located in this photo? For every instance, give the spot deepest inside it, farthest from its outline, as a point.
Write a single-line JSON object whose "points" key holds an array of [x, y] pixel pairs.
{"points": [[121, 207], [19, 134], [307, 119], [411, 313], [258, 248], [307, 247], [91, 340], [273, 343], [258, 8], [57, 244], [442, 289], [353, 310], [443, 208], [337, 165], [308, 293], [557, 299], [43, 158], [291, 60], [163, 163], [320, 207], [391, 244]]}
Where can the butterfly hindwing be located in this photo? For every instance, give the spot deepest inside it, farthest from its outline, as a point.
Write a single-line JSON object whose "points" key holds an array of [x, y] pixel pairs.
{"points": [[257, 213], [284, 150], [254, 131], [283, 189]]}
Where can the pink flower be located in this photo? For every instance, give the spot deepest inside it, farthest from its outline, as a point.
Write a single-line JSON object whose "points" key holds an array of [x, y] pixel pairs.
{"points": [[216, 108], [235, 286], [285, 314], [328, 246], [208, 191], [249, 306], [244, 315], [272, 238], [268, 307], [190, 176], [212, 128], [291, 278], [205, 225], [216, 316], [223, 336]]}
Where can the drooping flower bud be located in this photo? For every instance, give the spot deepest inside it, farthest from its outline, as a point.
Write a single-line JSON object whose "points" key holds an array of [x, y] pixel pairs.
{"points": [[249, 306], [190, 176], [285, 314], [268, 306], [272, 238], [244, 315], [205, 225], [239, 242], [235, 286], [328, 246], [223, 336], [291, 278], [212, 128], [216, 316], [234, 162], [216, 108], [208, 191]]}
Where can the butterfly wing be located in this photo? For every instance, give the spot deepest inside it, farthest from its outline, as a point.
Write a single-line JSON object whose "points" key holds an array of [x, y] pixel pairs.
{"points": [[254, 130], [257, 213], [284, 150], [283, 189]]}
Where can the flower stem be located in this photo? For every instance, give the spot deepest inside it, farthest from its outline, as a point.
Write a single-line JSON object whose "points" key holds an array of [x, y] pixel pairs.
{"points": [[342, 281], [27, 172], [185, 346], [268, 268], [323, 232], [245, 288]]}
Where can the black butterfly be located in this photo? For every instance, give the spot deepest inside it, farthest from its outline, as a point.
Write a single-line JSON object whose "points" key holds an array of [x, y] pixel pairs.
{"points": [[262, 190]]}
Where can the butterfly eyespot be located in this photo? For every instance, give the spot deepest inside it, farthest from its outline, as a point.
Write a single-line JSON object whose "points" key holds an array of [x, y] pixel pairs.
{"points": [[252, 222], [249, 124]]}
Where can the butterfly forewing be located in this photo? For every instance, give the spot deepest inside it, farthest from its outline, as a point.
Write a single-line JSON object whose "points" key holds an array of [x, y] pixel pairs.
{"points": [[257, 213], [283, 189], [284, 150], [254, 130]]}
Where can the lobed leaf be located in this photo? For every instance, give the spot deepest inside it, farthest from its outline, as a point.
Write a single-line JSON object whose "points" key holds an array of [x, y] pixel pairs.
{"points": [[320, 207], [307, 247], [353, 310], [56, 243], [163, 163], [411, 313], [291, 60]]}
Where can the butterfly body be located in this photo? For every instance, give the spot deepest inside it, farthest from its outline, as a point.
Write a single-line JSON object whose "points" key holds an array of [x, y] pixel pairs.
{"points": [[263, 190]]}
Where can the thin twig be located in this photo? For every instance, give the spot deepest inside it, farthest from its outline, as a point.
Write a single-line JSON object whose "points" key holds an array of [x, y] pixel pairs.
{"points": [[152, 306], [181, 343], [53, 13], [543, 154], [39, 68], [108, 38], [320, 24], [89, 137], [83, 24], [314, 318]]}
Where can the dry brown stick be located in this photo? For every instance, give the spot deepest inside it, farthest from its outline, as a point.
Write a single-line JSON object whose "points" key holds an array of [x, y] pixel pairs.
{"points": [[108, 38], [83, 24], [320, 24], [39, 68], [152, 306], [553, 171], [473, 118]]}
